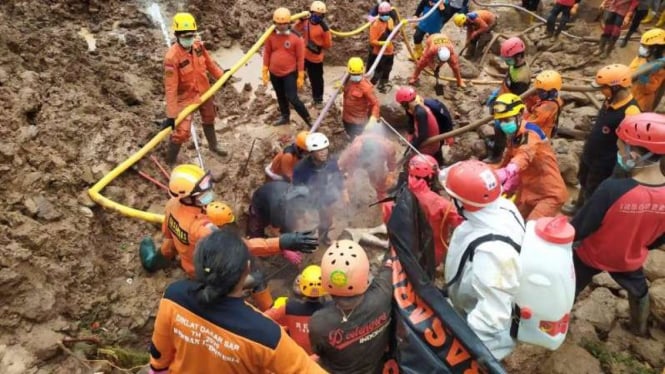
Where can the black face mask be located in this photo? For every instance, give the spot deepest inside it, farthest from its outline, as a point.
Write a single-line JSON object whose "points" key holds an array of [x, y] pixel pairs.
{"points": [[459, 206]]}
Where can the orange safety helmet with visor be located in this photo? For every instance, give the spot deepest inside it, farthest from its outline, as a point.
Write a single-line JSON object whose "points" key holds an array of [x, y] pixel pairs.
{"points": [[191, 185]]}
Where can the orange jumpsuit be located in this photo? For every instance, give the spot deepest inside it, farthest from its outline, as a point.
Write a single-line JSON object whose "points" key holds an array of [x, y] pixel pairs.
{"points": [[185, 225], [185, 81], [483, 23], [376, 31], [360, 102], [379, 166], [284, 162], [545, 114], [228, 337], [315, 34], [428, 59], [647, 87], [542, 191]]}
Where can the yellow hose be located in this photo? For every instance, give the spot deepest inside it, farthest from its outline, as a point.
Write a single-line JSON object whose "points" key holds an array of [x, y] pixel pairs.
{"points": [[95, 190], [357, 31]]}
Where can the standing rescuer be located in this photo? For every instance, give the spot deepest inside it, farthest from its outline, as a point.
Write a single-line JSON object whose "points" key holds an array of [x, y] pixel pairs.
{"points": [[281, 167], [186, 67], [429, 25], [615, 11], [598, 159], [479, 25], [439, 49], [622, 219], [378, 35], [205, 326], [360, 105], [648, 87], [545, 112], [284, 67], [422, 123], [566, 8], [317, 36]]}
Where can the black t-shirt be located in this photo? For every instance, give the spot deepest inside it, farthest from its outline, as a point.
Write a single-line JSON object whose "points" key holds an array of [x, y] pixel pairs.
{"points": [[358, 345], [600, 148], [268, 202]]}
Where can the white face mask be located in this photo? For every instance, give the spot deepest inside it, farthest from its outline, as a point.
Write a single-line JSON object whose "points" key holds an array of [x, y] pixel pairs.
{"points": [[643, 51], [355, 78], [186, 42], [285, 32]]}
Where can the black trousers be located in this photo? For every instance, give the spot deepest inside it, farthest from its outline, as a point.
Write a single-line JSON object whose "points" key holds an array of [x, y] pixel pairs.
{"points": [[590, 178], [383, 69], [287, 92], [635, 23], [565, 17], [635, 282], [315, 75], [418, 36], [531, 5]]}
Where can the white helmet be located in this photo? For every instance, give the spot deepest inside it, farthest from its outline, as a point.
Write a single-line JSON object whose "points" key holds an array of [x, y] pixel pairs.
{"points": [[316, 141], [443, 54]]}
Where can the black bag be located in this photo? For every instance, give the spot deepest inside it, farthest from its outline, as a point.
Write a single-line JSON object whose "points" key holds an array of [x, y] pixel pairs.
{"points": [[441, 113]]}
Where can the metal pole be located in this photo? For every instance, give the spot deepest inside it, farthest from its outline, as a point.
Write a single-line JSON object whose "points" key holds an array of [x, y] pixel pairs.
{"points": [[400, 136], [196, 145]]}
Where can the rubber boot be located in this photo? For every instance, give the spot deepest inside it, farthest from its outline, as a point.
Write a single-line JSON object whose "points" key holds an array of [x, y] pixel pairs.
{"points": [[624, 41], [661, 20], [649, 17], [282, 121], [639, 314], [172, 153], [601, 45], [211, 137], [151, 258], [418, 51], [262, 299], [610, 47]]}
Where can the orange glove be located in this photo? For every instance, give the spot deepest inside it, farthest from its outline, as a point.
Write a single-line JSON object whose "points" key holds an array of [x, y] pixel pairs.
{"points": [[301, 79], [265, 75]]}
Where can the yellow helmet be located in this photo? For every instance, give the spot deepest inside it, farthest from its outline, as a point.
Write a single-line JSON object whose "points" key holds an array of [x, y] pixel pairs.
{"points": [[548, 80], [318, 7], [507, 105], [355, 65], [280, 302], [191, 185], [653, 37], [281, 15], [459, 19], [310, 282], [219, 213], [184, 22]]}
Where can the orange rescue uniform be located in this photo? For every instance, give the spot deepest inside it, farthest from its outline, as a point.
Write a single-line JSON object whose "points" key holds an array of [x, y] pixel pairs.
{"points": [[646, 88], [229, 336], [545, 114], [542, 191], [379, 168], [185, 81], [295, 316], [378, 31], [284, 162], [315, 34], [360, 102], [483, 23], [284, 54], [429, 58]]}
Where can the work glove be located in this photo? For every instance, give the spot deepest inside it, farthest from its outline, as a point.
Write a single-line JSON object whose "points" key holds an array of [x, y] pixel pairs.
{"points": [[507, 172], [169, 122], [301, 79], [265, 75], [511, 184], [324, 25], [383, 42], [293, 257], [299, 241], [492, 97]]}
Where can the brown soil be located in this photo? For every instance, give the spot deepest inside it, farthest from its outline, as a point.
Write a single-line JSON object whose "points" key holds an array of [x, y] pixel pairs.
{"points": [[70, 268]]}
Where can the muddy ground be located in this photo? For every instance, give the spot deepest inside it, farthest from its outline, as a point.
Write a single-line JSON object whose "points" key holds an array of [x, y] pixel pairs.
{"points": [[80, 89]]}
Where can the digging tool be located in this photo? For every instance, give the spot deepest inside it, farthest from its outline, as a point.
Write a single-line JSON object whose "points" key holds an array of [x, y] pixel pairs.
{"points": [[400, 136], [150, 178], [160, 167], [243, 172], [195, 136], [438, 87]]}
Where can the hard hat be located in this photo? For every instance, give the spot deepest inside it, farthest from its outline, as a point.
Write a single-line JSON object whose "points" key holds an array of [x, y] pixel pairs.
{"points": [[318, 7], [548, 80], [473, 183], [301, 140], [613, 75], [345, 269], [646, 130], [423, 166], [355, 65], [185, 179], [507, 105], [184, 22], [219, 213], [405, 94], [310, 282], [653, 37], [385, 7], [443, 54], [281, 15], [280, 302], [459, 19], [316, 141], [512, 46]]}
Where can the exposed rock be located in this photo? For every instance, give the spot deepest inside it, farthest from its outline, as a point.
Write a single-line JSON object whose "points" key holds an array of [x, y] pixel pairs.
{"points": [[654, 268], [599, 309], [39, 307], [393, 113], [42, 208], [651, 351], [15, 359], [570, 358], [623, 309], [584, 117], [43, 342], [603, 279], [619, 339], [579, 98], [581, 331], [657, 296], [468, 70]]}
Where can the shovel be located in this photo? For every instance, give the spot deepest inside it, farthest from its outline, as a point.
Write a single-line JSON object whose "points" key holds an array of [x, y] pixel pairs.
{"points": [[438, 86]]}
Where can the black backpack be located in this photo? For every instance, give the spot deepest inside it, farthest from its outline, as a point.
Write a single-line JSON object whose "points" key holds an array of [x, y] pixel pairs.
{"points": [[441, 113]]}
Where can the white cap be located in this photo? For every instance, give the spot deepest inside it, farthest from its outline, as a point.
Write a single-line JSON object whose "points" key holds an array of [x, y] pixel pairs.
{"points": [[443, 54], [316, 141]]}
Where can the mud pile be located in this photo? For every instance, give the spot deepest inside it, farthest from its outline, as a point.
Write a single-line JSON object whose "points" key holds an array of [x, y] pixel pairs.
{"points": [[80, 89]]}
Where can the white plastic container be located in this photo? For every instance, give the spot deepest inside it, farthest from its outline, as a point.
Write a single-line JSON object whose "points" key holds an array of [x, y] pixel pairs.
{"points": [[547, 284]]}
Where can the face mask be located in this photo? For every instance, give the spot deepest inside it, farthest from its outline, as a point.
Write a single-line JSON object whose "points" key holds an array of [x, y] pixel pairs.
{"points": [[509, 128], [315, 19], [285, 32], [384, 18], [206, 198], [643, 51], [355, 78], [186, 42], [509, 61]]}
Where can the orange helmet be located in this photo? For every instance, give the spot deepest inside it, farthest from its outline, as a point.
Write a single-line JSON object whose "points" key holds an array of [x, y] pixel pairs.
{"points": [[281, 15], [318, 7], [219, 213], [548, 80], [345, 269], [301, 140], [473, 183], [613, 75]]}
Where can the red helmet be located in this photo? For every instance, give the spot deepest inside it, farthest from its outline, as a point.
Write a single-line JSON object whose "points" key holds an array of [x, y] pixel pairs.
{"points": [[422, 166], [473, 183], [511, 47], [646, 130], [405, 94]]}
